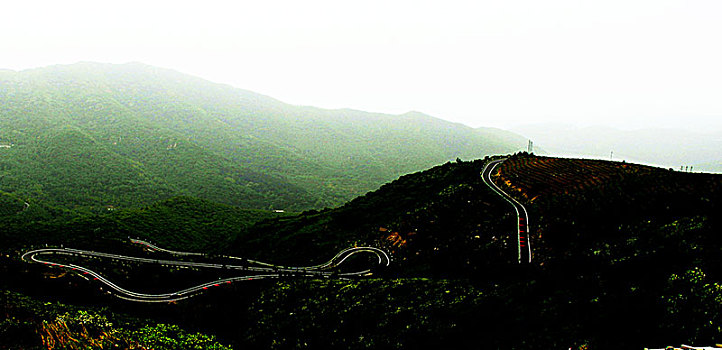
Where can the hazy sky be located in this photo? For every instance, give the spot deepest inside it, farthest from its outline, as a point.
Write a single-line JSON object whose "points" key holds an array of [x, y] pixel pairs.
{"points": [[483, 63]]}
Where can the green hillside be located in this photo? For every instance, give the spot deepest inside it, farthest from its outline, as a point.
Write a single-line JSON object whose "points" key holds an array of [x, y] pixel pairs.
{"points": [[625, 256], [182, 223], [444, 221], [95, 135]]}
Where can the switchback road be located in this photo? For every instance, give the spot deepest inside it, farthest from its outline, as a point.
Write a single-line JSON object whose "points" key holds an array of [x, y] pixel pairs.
{"points": [[264, 271], [522, 226]]}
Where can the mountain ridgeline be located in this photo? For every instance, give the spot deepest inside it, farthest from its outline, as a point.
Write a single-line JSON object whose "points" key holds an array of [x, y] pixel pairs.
{"points": [[97, 135]]}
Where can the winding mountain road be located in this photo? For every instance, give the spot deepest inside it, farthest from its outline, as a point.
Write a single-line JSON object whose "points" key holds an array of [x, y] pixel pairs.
{"points": [[264, 271], [522, 227]]}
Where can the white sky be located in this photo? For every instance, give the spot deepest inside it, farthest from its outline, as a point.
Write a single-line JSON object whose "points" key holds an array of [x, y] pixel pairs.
{"points": [[626, 63]]}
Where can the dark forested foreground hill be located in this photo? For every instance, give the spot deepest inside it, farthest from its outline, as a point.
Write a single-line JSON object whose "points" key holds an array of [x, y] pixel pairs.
{"points": [[127, 135], [624, 256]]}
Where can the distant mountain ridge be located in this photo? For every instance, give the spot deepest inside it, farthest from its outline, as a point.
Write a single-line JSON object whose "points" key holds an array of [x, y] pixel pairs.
{"points": [[662, 147], [92, 134]]}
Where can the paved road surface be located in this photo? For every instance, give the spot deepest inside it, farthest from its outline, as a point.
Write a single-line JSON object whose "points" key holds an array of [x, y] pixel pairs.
{"points": [[522, 227]]}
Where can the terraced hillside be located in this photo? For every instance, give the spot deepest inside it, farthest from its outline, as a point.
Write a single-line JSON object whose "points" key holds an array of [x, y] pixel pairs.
{"points": [[532, 177], [575, 201]]}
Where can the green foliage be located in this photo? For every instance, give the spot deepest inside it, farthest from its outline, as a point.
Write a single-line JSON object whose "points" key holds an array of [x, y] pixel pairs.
{"points": [[171, 337], [10, 204], [30, 323], [692, 297], [185, 223]]}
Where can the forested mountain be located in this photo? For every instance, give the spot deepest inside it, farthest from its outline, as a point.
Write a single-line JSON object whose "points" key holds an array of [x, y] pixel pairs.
{"points": [[99, 135]]}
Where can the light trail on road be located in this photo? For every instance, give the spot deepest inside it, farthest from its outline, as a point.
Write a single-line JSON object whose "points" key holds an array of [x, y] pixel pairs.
{"points": [[265, 272], [522, 217]]}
